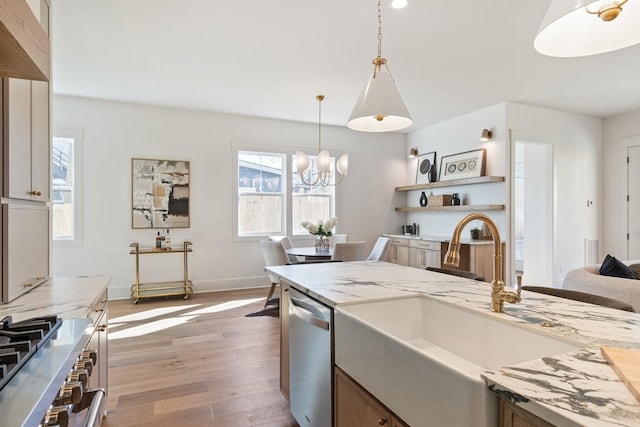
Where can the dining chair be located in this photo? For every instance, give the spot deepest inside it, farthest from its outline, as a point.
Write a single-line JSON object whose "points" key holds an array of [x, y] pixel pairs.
{"points": [[379, 251], [338, 238], [350, 251], [286, 242], [274, 254]]}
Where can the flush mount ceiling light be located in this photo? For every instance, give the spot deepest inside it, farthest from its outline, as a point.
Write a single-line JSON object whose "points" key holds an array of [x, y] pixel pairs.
{"points": [[324, 165], [379, 107], [398, 4], [486, 135], [574, 28], [413, 153]]}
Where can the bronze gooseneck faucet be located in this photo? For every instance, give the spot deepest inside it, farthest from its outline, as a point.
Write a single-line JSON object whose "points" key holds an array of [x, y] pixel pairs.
{"points": [[498, 294]]}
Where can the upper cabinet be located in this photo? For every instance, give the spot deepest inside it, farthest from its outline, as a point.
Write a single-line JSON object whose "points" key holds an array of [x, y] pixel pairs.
{"points": [[26, 133], [25, 50]]}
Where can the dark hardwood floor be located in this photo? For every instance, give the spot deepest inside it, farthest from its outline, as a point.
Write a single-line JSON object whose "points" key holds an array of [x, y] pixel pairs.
{"points": [[195, 362]]}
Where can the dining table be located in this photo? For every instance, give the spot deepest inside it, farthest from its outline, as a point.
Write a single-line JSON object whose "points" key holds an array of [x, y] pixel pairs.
{"points": [[310, 253]]}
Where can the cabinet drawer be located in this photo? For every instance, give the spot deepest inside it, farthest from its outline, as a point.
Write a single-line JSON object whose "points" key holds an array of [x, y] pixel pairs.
{"points": [[425, 244], [398, 241]]}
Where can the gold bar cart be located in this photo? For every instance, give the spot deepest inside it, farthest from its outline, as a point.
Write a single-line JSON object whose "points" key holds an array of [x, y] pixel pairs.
{"points": [[161, 289]]}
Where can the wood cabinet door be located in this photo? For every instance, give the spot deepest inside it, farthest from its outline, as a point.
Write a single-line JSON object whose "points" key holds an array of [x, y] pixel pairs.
{"points": [[17, 138], [511, 415], [26, 139], [432, 259], [356, 408], [401, 255], [40, 141], [26, 231]]}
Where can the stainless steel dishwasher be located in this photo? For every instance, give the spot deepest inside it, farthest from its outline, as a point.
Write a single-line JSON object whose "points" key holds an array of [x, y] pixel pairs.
{"points": [[310, 360]]}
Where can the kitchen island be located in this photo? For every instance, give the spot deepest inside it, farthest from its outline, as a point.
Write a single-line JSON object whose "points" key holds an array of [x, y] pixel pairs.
{"points": [[570, 389]]}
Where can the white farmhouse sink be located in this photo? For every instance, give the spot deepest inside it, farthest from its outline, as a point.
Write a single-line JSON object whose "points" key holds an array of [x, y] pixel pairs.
{"points": [[423, 358]]}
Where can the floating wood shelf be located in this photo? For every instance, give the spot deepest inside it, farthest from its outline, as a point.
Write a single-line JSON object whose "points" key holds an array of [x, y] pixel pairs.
{"points": [[452, 183], [451, 208]]}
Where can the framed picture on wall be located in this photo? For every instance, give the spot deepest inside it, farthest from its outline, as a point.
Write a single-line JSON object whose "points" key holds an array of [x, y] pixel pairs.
{"points": [[159, 193], [469, 164], [426, 169]]}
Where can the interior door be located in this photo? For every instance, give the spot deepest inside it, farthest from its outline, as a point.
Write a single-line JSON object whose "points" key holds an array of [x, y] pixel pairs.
{"points": [[633, 206]]}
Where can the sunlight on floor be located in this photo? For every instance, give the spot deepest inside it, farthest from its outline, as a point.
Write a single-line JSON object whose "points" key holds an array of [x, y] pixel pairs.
{"points": [[149, 328], [123, 331], [226, 306], [148, 314]]}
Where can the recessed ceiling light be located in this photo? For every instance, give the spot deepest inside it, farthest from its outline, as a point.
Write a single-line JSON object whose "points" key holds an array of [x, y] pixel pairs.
{"points": [[398, 4]]}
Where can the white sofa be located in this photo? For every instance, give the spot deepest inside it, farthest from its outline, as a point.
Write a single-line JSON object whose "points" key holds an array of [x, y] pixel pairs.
{"points": [[588, 280]]}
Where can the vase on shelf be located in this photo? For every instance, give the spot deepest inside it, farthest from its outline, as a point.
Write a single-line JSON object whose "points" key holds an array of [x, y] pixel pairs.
{"points": [[322, 244], [423, 200]]}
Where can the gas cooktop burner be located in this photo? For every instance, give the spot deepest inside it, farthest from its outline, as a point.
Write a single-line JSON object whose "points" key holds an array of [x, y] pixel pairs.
{"points": [[20, 340]]}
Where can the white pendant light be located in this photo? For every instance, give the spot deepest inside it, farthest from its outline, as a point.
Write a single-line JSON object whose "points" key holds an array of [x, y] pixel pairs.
{"points": [[325, 165], [574, 28], [379, 107]]}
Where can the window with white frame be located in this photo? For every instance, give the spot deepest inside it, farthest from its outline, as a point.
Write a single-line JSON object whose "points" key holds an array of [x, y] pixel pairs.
{"points": [[310, 203], [273, 201], [65, 185], [261, 193]]}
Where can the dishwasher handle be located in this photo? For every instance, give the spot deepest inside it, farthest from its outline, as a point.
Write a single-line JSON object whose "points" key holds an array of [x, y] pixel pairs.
{"points": [[306, 315]]}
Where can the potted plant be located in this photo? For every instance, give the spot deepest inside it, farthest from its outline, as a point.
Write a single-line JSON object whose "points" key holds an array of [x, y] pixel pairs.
{"points": [[475, 233]]}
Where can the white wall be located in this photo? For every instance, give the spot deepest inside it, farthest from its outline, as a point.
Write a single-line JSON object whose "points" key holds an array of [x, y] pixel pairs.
{"points": [[116, 132], [578, 174], [615, 130], [456, 136]]}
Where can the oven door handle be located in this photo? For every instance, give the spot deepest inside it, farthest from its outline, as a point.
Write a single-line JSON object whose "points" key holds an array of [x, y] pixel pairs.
{"points": [[94, 414], [307, 316]]}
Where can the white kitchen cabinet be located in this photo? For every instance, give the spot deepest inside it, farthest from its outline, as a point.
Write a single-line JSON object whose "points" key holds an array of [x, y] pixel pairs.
{"points": [[424, 253], [25, 252], [26, 139]]}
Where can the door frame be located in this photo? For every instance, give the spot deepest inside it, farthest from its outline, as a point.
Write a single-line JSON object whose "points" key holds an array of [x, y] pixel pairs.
{"points": [[625, 144], [532, 138]]}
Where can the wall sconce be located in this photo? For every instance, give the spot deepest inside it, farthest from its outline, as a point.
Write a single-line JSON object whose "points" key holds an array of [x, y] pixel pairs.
{"points": [[413, 153], [486, 135]]}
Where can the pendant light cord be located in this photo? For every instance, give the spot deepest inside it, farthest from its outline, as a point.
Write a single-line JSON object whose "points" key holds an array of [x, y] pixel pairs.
{"points": [[379, 30], [319, 98]]}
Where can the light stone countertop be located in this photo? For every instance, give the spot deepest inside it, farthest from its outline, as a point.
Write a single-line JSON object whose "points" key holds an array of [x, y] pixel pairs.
{"points": [[445, 239], [577, 388], [65, 297]]}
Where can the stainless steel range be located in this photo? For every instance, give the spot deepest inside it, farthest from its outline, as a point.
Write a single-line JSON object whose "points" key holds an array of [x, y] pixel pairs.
{"points": [[44, 373]]}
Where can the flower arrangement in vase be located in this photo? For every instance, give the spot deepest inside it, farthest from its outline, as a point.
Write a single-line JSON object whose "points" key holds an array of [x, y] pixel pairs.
{"points": [[322, 231]]}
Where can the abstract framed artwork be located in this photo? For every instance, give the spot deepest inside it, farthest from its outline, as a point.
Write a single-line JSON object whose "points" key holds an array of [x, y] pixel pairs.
{"points": [[469, 164], [159, 193], [426, 170]]}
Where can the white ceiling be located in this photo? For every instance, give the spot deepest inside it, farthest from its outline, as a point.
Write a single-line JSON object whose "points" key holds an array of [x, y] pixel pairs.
{"points": [[270, 58]]}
